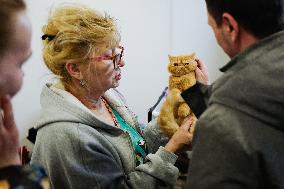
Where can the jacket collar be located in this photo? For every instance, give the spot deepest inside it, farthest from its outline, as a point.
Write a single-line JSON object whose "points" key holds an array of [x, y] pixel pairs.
{"points": [[254, 51]]}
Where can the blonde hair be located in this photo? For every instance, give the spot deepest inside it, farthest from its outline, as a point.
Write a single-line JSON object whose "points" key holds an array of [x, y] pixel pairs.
{"points": [[74, 32]]}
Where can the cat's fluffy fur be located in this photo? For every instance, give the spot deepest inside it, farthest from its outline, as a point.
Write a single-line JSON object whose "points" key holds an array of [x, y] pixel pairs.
{"points": [[174, 109]]}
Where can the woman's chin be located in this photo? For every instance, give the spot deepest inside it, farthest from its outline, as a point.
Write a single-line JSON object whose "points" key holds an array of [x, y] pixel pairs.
{"points": [[115, 84]]}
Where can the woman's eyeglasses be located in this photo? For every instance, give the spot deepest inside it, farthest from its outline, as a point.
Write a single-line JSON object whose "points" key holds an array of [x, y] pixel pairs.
{"points": [[115, 58]]}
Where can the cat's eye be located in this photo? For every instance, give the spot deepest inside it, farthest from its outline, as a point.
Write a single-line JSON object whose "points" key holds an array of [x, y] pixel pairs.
{"points": [[175, 64], [186, 64]]}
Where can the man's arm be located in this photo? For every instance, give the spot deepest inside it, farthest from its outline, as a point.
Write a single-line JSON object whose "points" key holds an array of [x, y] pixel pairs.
{"points": [[197, 97], [221, 156]]}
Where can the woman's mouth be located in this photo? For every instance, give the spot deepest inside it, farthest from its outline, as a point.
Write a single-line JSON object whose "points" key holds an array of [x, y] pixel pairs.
{"points": [[118, 76]]}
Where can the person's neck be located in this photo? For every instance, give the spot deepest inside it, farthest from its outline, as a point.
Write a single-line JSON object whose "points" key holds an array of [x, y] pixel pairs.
{"points": [[247, 39], [244, 41], [91, 100]]}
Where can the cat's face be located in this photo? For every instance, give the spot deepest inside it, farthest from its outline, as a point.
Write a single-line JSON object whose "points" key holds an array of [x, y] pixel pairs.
{"points": [[181, 65]]}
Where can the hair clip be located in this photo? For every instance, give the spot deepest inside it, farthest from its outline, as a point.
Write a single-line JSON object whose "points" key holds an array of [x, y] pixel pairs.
{"points": [[46, 36]]}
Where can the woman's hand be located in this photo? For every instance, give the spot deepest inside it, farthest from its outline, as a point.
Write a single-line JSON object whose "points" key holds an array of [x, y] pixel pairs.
{"points": [[201, 72], [9, 136], [182, 137]]}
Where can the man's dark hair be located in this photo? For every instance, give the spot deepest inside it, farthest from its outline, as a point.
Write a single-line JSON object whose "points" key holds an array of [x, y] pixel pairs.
{"points": [[259, 17], [8, 12]]}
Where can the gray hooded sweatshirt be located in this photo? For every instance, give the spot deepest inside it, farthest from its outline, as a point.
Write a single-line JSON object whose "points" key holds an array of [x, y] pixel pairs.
{"points": [[79, 151]]}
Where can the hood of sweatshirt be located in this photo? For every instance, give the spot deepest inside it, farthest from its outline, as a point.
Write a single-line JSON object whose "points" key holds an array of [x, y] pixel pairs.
{"points": [[60, 106]]}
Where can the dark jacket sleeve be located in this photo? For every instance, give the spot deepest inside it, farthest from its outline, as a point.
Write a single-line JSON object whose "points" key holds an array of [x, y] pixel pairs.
{"points": [[197, 98]]}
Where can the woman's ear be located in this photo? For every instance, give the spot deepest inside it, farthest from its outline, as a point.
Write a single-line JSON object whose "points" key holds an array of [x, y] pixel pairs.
{"points": [[74, 70], [231, 28]]}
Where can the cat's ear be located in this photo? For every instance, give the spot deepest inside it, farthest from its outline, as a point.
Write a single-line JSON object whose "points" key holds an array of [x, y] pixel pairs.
{"points": [[170, 58], [193, 56]]}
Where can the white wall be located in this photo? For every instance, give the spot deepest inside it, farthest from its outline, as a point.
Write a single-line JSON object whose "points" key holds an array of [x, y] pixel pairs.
{"points": [[191, 33], [151, 29]]}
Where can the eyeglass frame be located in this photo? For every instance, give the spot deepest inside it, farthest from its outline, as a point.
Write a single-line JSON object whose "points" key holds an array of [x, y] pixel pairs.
{"points": [[113, 58]]}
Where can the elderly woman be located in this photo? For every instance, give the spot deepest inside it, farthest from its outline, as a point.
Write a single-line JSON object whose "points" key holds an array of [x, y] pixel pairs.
{"points": [[87, 136]]}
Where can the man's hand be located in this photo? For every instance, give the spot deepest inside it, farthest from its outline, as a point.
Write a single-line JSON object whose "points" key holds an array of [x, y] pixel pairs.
{"points": [[201, 72]]}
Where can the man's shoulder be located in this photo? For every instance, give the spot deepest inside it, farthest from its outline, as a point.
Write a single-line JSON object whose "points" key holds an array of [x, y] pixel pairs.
{"points": [[221, 114]]}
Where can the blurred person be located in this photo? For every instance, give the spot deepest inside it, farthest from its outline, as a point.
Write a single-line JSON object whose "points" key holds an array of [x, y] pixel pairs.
{"points": [[15, 49]]}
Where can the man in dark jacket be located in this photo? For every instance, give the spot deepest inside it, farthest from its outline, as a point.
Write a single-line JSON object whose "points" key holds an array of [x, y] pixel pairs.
{"points": [[239, 139]]}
